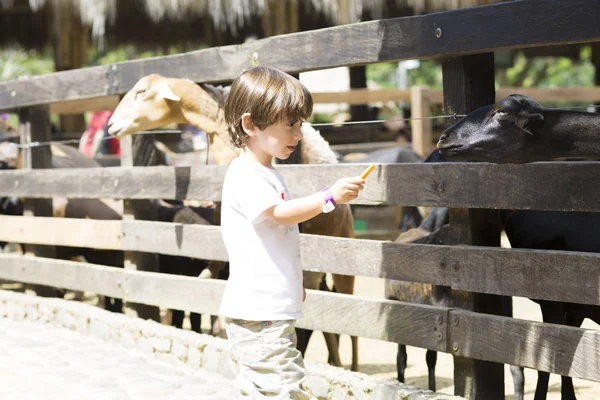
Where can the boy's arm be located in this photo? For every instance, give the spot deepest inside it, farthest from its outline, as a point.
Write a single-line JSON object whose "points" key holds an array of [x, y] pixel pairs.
{"points": [[299, 210]]}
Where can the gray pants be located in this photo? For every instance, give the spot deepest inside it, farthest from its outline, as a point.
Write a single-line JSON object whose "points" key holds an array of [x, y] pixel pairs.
{"points": [[270, 365]]}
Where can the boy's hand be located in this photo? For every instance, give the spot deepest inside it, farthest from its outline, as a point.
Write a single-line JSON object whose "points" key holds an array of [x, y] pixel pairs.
{"points": [[346, 189]]}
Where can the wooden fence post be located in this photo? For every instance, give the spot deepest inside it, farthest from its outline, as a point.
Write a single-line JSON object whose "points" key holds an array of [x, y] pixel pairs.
{"points": [[468, 84], [420, 107], [139, 150], [34, 126]]}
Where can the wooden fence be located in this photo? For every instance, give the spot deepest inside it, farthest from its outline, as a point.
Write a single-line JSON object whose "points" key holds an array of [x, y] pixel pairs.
{"points": [[465, 39]]}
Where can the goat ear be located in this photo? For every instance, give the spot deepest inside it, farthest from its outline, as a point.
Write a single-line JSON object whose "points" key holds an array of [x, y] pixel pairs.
{"points": [[165, 91], [530, 122], [218, 93]]}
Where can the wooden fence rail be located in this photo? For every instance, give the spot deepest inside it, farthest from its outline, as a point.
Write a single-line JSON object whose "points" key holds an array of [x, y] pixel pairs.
{"points": [[436, 96], [538, 274], [561, 186], [465, 39], [365, 96], [464, 31], [547, 347]]}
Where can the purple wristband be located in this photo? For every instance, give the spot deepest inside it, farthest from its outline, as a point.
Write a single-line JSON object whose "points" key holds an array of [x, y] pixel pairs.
{"points": [[327, 196]]}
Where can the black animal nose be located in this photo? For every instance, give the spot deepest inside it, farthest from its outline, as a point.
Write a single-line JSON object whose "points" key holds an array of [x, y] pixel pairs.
{"points": [[443, 136]]}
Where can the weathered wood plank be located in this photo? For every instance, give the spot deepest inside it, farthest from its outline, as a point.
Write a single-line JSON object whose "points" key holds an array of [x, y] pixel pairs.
{"points": [[139, 151], [61, 232], [63, 274], [420, 110], [540, 274], [553, 348], [542, 186], [392, 321], [413, 324], [80, 106], [362, 96], [59, 86], [548, 347], [34, 126], [436, 96], [468, 83], [488, 28], [204, 183], [562, 186]]}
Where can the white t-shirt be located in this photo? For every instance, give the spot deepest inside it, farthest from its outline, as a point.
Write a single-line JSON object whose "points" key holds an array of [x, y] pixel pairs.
{"points": [[265, 271]]}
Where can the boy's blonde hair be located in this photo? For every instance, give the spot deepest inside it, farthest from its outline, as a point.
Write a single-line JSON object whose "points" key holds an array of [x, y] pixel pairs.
{"points": [[270, 96]]}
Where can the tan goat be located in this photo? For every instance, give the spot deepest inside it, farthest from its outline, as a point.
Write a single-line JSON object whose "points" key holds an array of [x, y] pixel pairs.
{"points": [[156, 101]]}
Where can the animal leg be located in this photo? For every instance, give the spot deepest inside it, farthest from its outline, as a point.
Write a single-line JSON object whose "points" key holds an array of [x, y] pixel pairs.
{"points": [[401, 362], [302, 338], [333, 347], [177, 318], [431, 358], [541, 389], [196, 322], [518, 381], [567, 390], [553, 313]]}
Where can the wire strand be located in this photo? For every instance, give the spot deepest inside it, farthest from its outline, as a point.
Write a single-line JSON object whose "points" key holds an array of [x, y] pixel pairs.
{"points": [[334, 124]]}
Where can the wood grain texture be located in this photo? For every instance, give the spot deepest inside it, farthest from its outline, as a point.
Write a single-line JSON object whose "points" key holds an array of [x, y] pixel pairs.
{"points": [[540, 274], [392, 321], [34, 126], [468, 83], [436, 96], [80, 106], [365, 96], [61, 232], [553, 348], [562, 186], [416, 325], [464, 31]]}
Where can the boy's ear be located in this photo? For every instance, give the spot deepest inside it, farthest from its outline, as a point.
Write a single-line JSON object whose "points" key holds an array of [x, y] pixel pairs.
{"points": [[248, 125]]}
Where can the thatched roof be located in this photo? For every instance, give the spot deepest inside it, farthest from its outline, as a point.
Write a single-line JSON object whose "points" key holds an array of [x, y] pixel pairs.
{"points": [[165, 22]]}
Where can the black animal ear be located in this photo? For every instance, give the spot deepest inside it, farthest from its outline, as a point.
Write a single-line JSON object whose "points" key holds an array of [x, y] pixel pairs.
{"points": [[530, 122], [435, 156]]}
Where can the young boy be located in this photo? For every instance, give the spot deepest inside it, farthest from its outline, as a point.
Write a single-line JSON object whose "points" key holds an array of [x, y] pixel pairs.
{"points": [[264, 294]]}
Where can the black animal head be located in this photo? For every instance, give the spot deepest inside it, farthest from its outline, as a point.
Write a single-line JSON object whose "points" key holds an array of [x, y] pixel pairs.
{"points": [[10, 206], [500, 132]]}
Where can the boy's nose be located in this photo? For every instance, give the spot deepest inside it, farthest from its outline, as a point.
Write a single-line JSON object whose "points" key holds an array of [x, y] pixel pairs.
{"points": [[298, 133]]}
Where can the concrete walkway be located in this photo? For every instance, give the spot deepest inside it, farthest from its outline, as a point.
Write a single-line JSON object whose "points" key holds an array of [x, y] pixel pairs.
{"points": [[40, 361]]}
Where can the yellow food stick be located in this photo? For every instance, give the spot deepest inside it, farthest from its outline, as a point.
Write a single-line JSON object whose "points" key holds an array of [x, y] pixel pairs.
{"points": [[367, 171]]}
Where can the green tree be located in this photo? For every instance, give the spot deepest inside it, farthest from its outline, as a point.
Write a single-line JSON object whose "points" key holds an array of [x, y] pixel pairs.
{"points": [[17, 63]]}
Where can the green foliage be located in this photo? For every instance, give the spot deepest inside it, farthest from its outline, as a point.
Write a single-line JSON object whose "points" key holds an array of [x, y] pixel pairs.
{"points": [[429, 74], [18, 63], [382, 74], [550, 71], [533, 72]]}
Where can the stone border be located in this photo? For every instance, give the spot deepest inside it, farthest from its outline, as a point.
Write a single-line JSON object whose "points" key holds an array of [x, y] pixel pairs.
{"points": [[193, 349]]}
